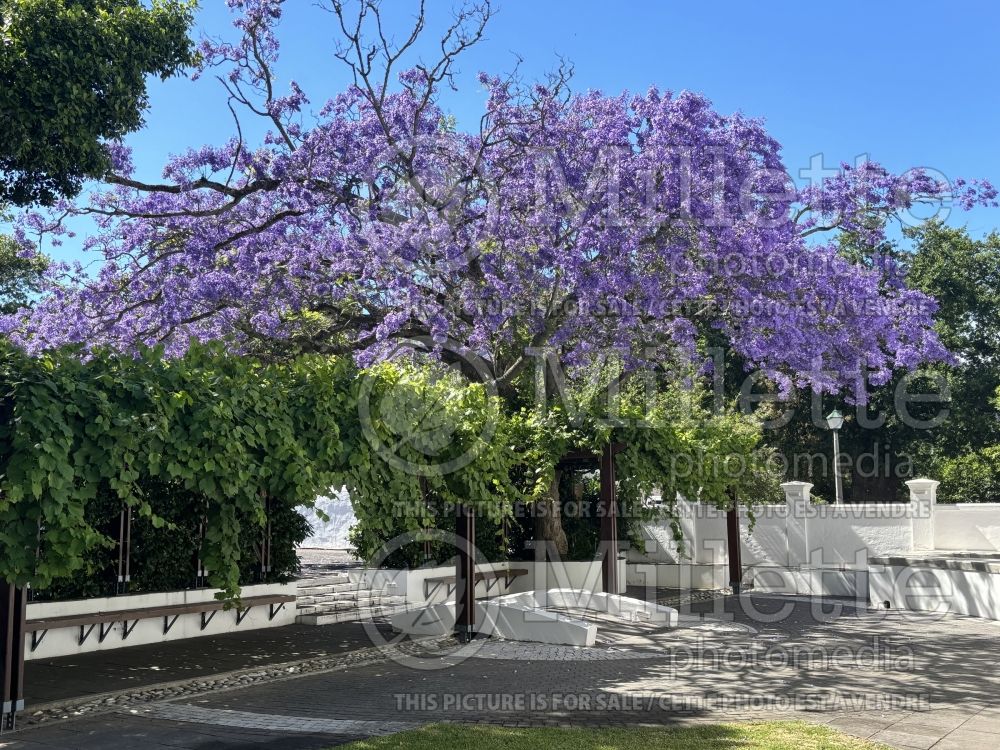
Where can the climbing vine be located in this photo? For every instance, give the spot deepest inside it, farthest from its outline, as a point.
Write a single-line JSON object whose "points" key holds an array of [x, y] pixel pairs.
{"points": [[234, 430], [410, 440]]}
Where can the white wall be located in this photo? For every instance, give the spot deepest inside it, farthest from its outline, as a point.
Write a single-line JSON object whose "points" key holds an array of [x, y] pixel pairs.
{"points": [[66, 641], [934, 589], [967, 526], [798, 547], [794, 547]]}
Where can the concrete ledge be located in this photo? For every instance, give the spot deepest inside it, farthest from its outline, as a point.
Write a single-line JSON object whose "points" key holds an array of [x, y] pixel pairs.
{"points": [[508, 620], [614, 604], [980, 562]]}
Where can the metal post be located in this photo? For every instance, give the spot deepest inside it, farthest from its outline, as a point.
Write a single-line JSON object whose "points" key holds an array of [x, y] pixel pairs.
{"points": [[735, 556], [200, 573], [265, 541], [836, 467], [127, 583], [465, 574], [13, 604], [609, 522], [124, 550]]}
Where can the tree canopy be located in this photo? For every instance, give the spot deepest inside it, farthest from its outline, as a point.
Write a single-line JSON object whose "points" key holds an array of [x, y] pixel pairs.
{"points": [[72, 75], [570, 223]]}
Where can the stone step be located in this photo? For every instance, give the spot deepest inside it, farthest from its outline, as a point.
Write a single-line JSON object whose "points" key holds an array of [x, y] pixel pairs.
{"points": [[322, 609], [331, 580], [342, 603], [326, 588], [361, 601], [343, 595], [349, 615]]}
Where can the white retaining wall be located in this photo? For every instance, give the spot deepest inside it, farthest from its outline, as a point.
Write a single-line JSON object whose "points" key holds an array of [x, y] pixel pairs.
{"points": [[967, 526], [928, 588], [541, 576], [66, 641], [799, 547]]}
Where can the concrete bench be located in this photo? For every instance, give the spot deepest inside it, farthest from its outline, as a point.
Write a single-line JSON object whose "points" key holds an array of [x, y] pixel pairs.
{"points": [[105, 621]]}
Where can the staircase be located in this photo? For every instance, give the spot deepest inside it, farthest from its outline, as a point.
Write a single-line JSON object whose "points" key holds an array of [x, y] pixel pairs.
{"points": [[343, 597]]}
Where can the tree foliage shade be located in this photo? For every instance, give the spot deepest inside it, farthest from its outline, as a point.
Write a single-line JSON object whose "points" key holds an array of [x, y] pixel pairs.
{"points": [[73, 74]]}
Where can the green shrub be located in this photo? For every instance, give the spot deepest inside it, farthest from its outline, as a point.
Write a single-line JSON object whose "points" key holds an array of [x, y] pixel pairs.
{"points": [[971, 478]]}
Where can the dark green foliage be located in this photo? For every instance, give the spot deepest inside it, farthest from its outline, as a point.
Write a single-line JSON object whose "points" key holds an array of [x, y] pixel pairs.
{"points": [[152, 433], [73, 73], [973, 477], [20, 277], [963, 275], [164, 558], [402, 548]]}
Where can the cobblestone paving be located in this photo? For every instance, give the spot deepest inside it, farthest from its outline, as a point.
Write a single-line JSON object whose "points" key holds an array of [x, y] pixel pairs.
{"points": [[187, 689], [909, 680]]}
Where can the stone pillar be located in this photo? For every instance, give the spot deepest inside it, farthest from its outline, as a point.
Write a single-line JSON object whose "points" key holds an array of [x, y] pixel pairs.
{"points": [[797, 498], [923, 499]]}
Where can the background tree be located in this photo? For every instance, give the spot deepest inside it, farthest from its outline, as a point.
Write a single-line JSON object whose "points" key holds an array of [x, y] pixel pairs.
{"points": [[897, 439], [963, 275], [21, 276], [73, 74]]}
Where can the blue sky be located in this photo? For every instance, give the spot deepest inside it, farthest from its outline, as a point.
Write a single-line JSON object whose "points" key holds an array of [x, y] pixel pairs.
{"points": [[910, 84]]}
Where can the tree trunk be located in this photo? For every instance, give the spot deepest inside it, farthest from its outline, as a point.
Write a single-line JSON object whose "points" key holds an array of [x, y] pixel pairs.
{"points": [[548, 518]]}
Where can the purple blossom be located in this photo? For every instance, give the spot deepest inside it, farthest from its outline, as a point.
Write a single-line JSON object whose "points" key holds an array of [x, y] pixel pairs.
{"points": [[589, 223]]}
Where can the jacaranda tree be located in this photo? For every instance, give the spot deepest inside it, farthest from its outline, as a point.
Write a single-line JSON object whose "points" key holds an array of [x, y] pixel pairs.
{"points": [[581, 222], [566, 227]]}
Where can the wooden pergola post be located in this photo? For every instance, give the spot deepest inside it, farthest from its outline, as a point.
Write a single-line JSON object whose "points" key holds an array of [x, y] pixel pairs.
{"points": [[465, 573], [609, 521], [13, 606], [735, 550]]}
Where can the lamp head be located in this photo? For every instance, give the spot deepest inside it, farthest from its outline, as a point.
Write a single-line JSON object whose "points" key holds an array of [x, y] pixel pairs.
{"points": [[835, 420]]}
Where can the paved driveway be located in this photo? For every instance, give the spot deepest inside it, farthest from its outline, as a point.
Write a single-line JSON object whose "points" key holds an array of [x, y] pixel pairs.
{"points": [[909, 680]]}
